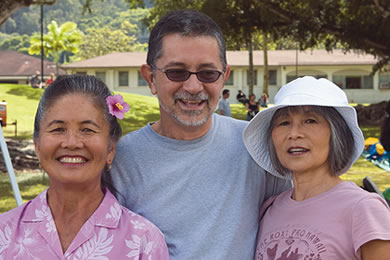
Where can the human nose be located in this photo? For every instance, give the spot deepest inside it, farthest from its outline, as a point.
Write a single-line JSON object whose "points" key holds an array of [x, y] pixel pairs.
{"points": [[295, 131], [72, 140], [193, 85]]}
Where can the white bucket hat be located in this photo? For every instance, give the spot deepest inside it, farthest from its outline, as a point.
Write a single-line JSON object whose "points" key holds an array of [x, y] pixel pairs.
{"points": [[301, 92]]}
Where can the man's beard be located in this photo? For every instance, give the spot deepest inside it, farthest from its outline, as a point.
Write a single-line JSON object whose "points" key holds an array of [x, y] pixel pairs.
{"points": [[192, 114]]}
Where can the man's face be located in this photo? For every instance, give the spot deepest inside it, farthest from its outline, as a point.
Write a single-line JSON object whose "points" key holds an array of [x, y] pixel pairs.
{"points": [[191, 102]]}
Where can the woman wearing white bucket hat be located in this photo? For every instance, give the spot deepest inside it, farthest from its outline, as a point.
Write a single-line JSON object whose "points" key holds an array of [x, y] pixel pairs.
{"points": [[311, 135]]}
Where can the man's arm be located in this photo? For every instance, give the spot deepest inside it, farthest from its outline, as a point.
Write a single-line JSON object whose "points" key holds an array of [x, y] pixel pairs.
{"points": [[221, 111]]}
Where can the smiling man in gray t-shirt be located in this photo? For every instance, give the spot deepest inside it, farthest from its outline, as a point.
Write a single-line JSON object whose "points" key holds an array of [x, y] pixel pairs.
{"points": [[189, 172]]}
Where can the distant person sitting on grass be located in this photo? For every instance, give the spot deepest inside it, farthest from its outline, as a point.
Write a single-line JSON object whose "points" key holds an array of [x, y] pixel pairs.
{"points": [[77, 217], [51, 79], [35, 81], [385, 131], [241, 97]]}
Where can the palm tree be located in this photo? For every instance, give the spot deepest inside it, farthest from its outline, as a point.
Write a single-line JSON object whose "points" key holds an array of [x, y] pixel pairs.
{"points": [[58, 39]]}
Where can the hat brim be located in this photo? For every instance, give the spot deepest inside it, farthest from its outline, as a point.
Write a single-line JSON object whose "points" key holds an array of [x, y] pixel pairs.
{"points": [[255, 135]]}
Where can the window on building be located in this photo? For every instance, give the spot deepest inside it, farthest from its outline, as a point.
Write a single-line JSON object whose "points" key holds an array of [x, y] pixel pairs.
{"points": [[81, 72], [141, 81], [230, 80], [339, 81], [384, 81], [353, 82], [272, 77], [254, 77], [368, 82], [101, 75], [123, 78], [290, 78]]}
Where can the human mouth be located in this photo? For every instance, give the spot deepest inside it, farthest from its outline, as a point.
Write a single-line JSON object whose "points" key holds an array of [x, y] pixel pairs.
{"points": [[297, 150], [191, 102], [72, 159]]}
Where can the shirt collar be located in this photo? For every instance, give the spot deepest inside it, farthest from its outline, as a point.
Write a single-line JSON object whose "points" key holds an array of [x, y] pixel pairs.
{"points": [[107, 214]]}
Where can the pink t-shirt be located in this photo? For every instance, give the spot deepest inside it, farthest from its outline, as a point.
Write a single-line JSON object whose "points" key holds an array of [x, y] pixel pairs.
{"points": [[112, 232], [332, 225]]}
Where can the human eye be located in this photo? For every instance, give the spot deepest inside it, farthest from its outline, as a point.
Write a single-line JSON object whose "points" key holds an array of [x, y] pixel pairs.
{"points": [[88, 130], [176, 72], [310, 121], [282, 122], [57, 130]]}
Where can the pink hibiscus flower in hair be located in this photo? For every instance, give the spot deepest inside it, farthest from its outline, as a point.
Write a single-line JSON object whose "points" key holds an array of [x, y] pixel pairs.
{"points": [[117, 106]]}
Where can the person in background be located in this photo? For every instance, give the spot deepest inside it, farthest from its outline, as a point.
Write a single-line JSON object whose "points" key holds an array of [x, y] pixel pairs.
{"points": [[385, 131], [77, 217], [241, 97], [223, 105], [312, 136], [263, 101], [35, 81], [252, 106], [189, 172], [51, 79]]}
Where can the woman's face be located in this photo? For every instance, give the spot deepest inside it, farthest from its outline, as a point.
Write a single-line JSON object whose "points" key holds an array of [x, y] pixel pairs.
{"points": [[74, 144], [302, 140]]}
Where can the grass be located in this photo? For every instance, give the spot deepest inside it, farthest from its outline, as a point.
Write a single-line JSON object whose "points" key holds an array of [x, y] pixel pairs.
{"points": [[30, 185], [22, 102]]}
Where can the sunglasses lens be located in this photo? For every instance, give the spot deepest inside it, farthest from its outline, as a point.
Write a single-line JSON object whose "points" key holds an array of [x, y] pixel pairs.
{"points": [[178, 75], [208, 76]]}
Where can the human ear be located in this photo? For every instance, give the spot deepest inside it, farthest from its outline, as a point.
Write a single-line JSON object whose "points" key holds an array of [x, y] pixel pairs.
{"points": [[226, 74], [147, 74]]}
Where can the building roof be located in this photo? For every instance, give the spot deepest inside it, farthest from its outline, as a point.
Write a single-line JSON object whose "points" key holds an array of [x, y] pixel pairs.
{"points": [[117, 60], [238, 58], [13, 63]]}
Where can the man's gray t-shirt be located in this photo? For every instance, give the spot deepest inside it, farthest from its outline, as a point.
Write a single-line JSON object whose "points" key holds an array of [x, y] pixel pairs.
{"points": [[203, 194], [224, 106]]}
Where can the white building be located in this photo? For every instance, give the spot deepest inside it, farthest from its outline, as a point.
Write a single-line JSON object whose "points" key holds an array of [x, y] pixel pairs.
{"points": [[350, 71]]}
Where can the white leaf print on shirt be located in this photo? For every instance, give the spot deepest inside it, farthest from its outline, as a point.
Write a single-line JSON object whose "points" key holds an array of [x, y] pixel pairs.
{"points": [[138, 245], [115, 212], [96, 247], [24, 244], [137, 224], [45, 213], [42, 197], [5, 239]]}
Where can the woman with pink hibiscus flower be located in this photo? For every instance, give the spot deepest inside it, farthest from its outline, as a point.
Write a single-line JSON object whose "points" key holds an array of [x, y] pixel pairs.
{"points": [[77, 217]]}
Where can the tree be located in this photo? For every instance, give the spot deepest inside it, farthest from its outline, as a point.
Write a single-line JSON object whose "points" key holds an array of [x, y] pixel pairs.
{"points": [[20, 43], [8, 7], [58, 39], [362, 25], [102, 41]]}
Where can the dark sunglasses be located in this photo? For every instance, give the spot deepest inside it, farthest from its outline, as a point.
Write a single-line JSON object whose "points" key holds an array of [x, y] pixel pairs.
{"points": [[179, 75]]}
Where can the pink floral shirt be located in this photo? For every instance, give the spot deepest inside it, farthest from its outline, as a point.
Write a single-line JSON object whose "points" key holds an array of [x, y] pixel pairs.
{"points": [[112, 232]]}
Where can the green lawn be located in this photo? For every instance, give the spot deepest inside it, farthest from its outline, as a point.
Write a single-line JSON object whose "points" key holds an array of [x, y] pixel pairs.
{"points": [[22, 102]]}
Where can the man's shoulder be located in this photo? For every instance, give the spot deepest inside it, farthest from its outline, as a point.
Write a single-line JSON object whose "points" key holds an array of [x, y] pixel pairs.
{"points": [[230, 122]]}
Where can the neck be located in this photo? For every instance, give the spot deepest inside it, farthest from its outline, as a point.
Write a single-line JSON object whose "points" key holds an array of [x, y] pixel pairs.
{"points": [[67, 202], [181, 132], [71, 208], [311, 185]]}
